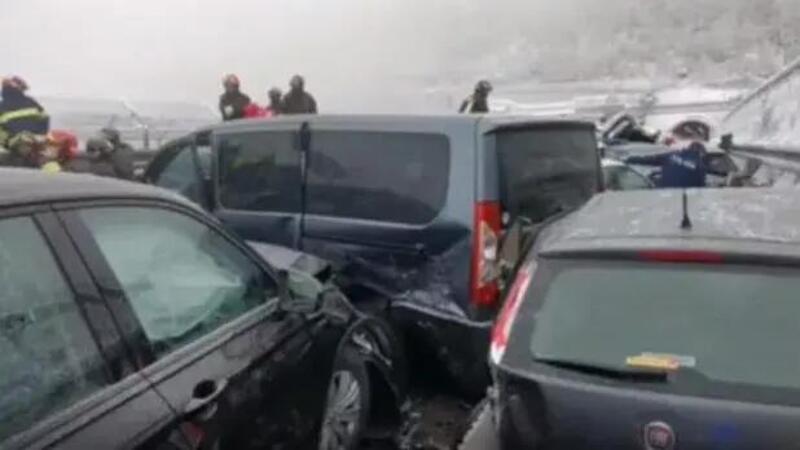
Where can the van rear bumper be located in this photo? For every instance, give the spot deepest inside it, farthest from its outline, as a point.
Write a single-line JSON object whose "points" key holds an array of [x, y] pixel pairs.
{"points": [[460, 345]]}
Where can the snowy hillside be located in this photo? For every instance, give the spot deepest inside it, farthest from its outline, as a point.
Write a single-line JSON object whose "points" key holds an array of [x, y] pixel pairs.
{"points": [[589, 39]]}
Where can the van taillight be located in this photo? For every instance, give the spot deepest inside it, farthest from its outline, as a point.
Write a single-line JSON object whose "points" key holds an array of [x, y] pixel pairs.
{"points": [[502, 326], [485, 271]]}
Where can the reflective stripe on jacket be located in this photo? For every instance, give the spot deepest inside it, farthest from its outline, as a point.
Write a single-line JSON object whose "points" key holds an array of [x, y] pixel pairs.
{"points": [[24, 113], [20, 115]]}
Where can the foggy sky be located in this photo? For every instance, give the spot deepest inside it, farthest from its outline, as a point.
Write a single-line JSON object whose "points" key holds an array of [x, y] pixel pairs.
{"points": [[354, 53], [373, 55]]}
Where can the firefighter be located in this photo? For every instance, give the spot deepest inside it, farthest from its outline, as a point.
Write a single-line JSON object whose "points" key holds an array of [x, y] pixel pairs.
{"points": [[233, 102], [27, 150], [59, 150], [49, 159], [478, 102], [108, 156], [297, 100], [20, 113], [120, 155], [99, 151], [65, 145], [274, 108]]}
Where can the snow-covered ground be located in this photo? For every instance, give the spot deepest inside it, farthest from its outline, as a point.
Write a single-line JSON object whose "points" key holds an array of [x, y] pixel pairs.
{"points": [[662, 108], [770, 116]]}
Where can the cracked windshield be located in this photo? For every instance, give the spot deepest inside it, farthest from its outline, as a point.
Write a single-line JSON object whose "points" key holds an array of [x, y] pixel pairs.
{"points": [[400, 224]]}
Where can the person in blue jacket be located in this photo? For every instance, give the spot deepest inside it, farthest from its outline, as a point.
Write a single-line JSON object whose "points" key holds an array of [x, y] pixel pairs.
{"points": [[20, 114], [679, 169]]}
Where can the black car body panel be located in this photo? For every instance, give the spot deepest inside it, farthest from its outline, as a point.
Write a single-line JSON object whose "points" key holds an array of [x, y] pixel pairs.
{"points": [[567, 412], [257, 381]]}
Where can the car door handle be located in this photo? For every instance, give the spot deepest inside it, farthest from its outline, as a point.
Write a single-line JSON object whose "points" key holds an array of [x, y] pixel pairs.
{"points": [[204, 397]]}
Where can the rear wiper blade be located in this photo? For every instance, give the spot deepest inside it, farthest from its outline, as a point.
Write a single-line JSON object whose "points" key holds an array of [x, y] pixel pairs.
{"points": [[612, 372]]}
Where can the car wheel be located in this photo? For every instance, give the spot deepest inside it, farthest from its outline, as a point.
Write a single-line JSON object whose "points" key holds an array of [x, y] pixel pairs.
{"points": [[348, 403]]}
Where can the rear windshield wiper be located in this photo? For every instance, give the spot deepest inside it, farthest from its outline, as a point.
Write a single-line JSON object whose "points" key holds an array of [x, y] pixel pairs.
{"points": [[612, 372]]}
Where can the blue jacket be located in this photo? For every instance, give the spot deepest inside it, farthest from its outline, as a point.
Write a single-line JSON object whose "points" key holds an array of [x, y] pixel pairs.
{"points": [[20, 113], [679, 169]]}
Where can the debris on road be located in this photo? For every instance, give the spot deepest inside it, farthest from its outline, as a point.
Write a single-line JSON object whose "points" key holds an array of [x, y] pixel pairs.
{"points": [[434, 422]]}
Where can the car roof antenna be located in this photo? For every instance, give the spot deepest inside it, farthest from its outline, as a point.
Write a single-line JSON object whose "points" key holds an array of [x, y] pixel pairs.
{"points": [[686, 223]]}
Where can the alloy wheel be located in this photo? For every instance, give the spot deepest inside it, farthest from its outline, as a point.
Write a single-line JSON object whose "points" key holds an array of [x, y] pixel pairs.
{"points": [[343, 413]]}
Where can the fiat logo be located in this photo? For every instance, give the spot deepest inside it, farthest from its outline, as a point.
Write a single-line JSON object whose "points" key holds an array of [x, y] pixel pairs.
{"points": [[658, 436]]}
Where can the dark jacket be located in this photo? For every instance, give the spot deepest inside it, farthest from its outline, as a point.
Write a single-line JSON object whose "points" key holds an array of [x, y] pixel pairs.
{"points": [[298, 102], [475, 104], [122, 161], [232, 105], [14, 159], [20, 113], [679, 169], [117, 164]]}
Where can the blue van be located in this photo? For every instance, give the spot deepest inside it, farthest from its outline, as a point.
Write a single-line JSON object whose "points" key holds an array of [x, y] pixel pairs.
{"points": [[411, 210]]}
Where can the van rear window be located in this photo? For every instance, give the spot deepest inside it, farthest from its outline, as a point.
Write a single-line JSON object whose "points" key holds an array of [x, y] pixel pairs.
{"points": [[546, 170]]}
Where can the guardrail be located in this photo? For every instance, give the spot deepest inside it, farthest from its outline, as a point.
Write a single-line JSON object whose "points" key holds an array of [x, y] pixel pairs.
{"points": [[769, 117], [764, 165], [793, 67]]}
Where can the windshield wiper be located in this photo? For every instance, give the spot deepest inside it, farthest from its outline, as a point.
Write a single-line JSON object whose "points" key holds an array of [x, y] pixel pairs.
{"points": [[612, 372]]}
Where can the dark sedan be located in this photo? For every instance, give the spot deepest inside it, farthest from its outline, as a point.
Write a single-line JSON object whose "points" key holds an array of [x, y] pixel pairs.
{"points": [[130, 319], [634, 327]]}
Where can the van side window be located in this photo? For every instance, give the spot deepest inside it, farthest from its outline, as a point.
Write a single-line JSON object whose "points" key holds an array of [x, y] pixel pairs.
{"points": [[391, 177], [259, 171], [181, 175]]}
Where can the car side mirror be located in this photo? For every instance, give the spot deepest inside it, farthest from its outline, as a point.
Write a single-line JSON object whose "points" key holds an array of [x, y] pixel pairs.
{"points": [[298, 292]]}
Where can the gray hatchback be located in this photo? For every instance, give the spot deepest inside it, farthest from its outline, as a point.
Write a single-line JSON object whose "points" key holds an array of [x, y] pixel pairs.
{"points": [[634, 326]]}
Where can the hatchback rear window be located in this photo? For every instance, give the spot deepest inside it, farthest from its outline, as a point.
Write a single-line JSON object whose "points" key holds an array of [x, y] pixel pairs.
{"points": [[391, 177], [731, 325], [547, 170]]}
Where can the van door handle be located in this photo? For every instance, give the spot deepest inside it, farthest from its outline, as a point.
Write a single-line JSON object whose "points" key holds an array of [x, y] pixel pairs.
{"points": [[205, 394]]}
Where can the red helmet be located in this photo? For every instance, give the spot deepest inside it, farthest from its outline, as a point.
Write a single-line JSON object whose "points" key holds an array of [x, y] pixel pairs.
{"points": [[65, 142], [15, 82], [230, 79]]}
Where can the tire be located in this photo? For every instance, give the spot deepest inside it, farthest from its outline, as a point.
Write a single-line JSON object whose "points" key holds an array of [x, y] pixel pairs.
{"points": [[347, 408]]}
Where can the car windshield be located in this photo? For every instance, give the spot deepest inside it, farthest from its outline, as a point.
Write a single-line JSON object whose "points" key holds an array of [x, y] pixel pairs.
{"points": [[732, 325]]}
